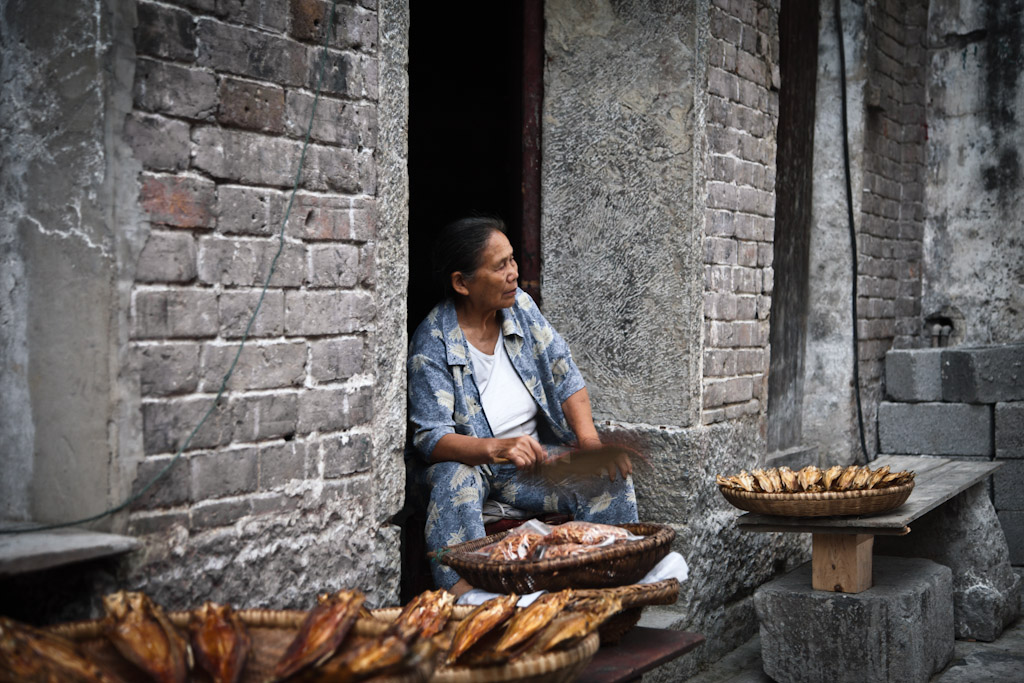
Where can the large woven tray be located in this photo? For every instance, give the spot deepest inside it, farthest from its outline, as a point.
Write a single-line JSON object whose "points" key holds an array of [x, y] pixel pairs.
{"points": [[615, 565], [824, 504], [271, 632]]}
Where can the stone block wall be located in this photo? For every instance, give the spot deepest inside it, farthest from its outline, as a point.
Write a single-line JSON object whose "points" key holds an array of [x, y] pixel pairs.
{"points": [[275, 497], [966, 403], [741, 119]]}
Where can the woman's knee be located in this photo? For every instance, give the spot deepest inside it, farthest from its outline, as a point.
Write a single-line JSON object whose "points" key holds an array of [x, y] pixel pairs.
{"points": [[448, 478]]}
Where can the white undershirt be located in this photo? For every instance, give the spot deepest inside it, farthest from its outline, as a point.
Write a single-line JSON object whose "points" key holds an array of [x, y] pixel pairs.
{"points": [[508, 405]]}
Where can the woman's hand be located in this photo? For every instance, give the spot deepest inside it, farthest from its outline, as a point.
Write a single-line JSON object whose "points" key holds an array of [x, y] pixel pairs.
{"points": [[524, 452], [619, 463]]}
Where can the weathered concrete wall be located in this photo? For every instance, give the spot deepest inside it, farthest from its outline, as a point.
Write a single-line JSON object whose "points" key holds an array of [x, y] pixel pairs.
{"points": [[142, 202], [973, 265], [621, 261], [69, 240], [659, 145]]}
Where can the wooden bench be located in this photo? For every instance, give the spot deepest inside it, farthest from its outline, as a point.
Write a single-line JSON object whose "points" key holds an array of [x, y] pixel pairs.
{"points": [[841, 550], [640, 650]]}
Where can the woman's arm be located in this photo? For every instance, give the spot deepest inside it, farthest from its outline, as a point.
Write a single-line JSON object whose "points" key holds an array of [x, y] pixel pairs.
{"points": [[521, 451], [580, 417]]}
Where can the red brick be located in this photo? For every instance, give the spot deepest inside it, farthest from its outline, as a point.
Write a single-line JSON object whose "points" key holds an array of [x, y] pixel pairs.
{"points": [[179, 201]]}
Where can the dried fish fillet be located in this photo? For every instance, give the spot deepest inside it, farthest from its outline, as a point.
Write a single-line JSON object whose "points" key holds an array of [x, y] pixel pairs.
{"points": [[321, 633], [31, 654], [424, 616], [789, 480], [531, 620], [764, 481], [810, 478], [831, 476], [220, 642], [140, 630], [481, 621]]}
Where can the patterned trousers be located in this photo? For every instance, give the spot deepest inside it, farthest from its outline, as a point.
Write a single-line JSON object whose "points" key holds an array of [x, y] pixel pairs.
{"points": [[458, 492]]}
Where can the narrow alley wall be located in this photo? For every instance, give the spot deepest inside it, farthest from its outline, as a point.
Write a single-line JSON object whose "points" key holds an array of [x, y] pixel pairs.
{"points": [[288, 488]]}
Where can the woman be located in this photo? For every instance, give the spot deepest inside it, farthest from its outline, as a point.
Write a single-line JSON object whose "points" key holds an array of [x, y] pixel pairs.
{"points": [[491, 386]]}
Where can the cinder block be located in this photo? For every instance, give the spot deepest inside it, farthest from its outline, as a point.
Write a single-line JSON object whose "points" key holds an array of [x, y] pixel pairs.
{"points": [[328, 410], [914, 375], [181, 202], [346, 454], [1012, 522], [323, 312], [901, 629], [266, 416], [168, 369], [983, 375], [1009, 486], [935, 429], [1010, 430], [224, 473], [166, 425], [260, 366], [181, 313]]}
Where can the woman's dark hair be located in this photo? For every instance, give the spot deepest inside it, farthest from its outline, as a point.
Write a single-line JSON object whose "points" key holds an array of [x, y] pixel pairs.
{"points": [[459, 245]]}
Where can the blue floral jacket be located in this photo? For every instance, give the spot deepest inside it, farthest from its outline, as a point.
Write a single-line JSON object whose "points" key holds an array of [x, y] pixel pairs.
{"points": [[443, 396]]}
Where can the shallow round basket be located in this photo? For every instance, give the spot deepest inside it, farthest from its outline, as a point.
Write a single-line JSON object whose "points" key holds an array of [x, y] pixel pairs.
{"points": [[271, 632], [634, 598], [615, 565], [824, 504]]}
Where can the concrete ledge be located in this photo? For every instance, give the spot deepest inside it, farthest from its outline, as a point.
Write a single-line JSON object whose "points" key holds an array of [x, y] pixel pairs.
{"points": [[914, 375], [901, 629], [984, 374], [935, 429], [36, 550]]}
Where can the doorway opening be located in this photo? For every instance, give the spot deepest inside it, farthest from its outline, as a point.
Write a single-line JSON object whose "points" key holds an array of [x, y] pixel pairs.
{"points": [[471, 68]]}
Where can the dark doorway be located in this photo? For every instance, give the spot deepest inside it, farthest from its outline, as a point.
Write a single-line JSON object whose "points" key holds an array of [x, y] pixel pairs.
{"points": [[798, 64], [466, 122]]}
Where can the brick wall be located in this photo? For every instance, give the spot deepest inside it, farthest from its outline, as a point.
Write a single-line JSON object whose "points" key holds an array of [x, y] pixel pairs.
{"points": [[223, 94], [741, 120], [891, 220]]}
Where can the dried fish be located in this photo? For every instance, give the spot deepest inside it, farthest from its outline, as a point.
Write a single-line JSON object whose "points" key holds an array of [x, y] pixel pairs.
{"points": [[810, 478], [831, 476], [846, 478], [220, 642], [566, 630], [860, 479], [531, 620], [321, 633], [140, 630], [764, 481], [365, 659], [789, 479], [746, 482], [586, 533], [877, 476], [424, 616], [515, 546], [481, 621], [31, 654]]}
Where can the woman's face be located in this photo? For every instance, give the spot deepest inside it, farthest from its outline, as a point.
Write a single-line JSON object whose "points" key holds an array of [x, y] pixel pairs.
{"points": [[493, 285]]}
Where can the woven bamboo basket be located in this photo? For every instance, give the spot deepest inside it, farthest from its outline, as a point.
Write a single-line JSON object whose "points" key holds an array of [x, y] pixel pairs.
{"points": [[823, 504], [618, 564], [271, 632], [634, 599], [560, 666]]}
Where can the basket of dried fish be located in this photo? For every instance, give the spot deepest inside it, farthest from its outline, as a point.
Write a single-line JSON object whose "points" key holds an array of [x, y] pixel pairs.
{"points": [[137, 640], [814, 492], [618, 563], [550, 641]]}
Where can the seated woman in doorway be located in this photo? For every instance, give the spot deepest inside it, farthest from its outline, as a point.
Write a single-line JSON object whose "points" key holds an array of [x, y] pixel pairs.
{"points": [[491, 386]]}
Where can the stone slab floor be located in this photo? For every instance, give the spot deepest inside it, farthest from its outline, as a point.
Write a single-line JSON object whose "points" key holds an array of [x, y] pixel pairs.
{"points": [[1001, 661]]}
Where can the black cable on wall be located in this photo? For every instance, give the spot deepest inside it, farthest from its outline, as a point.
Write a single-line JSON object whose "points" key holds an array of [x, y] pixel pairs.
{"points": [[853, 231]]}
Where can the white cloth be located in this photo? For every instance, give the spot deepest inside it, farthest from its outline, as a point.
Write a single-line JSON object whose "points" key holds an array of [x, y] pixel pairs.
{"points": [[672, 566], [507, 403]]}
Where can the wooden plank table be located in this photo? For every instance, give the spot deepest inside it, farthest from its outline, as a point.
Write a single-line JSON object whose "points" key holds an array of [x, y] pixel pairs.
{"points": [[841, 546], [640, 650]]}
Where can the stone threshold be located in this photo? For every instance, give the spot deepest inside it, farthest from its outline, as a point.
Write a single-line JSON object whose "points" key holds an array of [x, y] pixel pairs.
{"points": [[32, 551]]}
